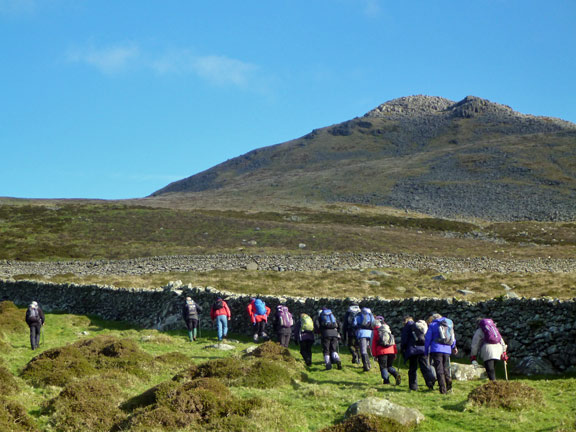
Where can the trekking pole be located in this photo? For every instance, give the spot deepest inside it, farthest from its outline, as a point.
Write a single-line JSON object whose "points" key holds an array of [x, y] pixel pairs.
{"points": [[199, 328], [506, 369], [42, 334]]}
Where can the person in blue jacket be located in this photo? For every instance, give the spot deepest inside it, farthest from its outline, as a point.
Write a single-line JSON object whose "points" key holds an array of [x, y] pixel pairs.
{"points": [[412, 348], [363, 324], [439, 344]]}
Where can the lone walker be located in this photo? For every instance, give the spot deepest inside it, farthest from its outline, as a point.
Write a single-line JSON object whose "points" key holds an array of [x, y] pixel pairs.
{"points": [[35, 320], [190, 313]]}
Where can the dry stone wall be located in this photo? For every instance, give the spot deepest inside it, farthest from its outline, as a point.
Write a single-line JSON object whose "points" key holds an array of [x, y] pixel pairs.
{"points": [[539, 332]]}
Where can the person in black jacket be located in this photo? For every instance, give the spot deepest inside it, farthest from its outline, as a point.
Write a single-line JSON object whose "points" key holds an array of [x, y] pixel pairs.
{"points": [[349, 332], [35, 320], [328, 327], [412, 348], [190, 313]]}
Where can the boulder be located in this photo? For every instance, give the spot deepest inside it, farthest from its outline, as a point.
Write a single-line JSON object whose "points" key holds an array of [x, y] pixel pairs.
{"points": [[385, 408], [532, 365], [220, 346], [466, 372]]}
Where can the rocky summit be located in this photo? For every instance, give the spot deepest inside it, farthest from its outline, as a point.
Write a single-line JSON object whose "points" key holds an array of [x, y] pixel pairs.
{"points": [[468, 159]]}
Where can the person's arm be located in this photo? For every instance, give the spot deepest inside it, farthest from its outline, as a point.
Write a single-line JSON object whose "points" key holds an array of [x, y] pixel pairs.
{"points": [[228, 314]]}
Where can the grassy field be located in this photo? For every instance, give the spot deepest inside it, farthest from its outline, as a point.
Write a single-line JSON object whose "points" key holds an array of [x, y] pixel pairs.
{"points": [[62, 230], [299, 399]]}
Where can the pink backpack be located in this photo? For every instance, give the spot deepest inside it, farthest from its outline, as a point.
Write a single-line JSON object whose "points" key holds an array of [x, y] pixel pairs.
{"points": [[491, 333]]}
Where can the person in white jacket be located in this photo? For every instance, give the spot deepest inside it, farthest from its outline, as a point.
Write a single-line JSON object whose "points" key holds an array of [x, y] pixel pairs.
{"points": [[489, 345]]}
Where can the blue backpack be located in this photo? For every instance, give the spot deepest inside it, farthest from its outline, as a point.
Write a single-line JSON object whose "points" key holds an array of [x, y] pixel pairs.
{"points": [[260, 307], [445, 332], [327, 319]]}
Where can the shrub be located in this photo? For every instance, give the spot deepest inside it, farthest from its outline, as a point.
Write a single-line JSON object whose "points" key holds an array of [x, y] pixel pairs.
{"points": [[505, 394], [8, 384], [227, 368], [58, 366], [266, 374], [13, 417], [12, 319], [173, 358], [273, 351], [367, 423], [89, 404]]}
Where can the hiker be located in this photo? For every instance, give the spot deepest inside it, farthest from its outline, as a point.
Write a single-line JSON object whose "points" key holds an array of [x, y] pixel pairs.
{"points": [[220, 312], [304, 336], [327, 325], [364, 322], [190, 314], [412, 343], [384, 350], [258, 312], [439, 344], [349, 332], [35, 320], [489, 344], [282, 324]]}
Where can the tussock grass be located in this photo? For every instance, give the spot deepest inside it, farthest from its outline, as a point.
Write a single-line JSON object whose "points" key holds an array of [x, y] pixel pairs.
{"points": [[14, 418], [367, 423], [507, 395]]}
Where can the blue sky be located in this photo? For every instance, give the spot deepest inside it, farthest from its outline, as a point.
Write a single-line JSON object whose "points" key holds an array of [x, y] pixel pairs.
{"points": [[115, 99]]}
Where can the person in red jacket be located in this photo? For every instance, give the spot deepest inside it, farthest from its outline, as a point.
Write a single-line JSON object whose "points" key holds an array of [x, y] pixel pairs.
{"points": [[258, 312], [220, 312], [384, 350]]}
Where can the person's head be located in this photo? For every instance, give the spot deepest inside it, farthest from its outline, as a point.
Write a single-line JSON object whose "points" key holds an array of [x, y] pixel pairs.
{"points": [[34, 304], [407, 319], [188, 299], [377, 322], [433, 317]]}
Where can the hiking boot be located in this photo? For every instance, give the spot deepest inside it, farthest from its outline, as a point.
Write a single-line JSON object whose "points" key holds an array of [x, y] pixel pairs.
{"points": [[398, 379], [339, 365], [328, 366], [386, 381]]}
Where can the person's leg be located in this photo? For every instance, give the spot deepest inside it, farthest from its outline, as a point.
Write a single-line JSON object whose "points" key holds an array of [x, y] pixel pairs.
{"points": [[224, 326], [194, 325], [447, 371], [490, 369], [353, 347], [306, 351], [427, 371], [33, 337], [189, 328], [437, 361], [363, 343], [285, 339], [326, 352], [383, 364], [413, 373], [334, 352], [391, 369]]}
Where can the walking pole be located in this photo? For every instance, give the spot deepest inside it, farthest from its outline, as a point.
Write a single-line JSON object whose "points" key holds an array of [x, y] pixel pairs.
{"points": [[506, 369], [199, 328], [42, 334]]}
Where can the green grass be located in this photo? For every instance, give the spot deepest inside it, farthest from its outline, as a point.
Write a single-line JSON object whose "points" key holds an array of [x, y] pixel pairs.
{"points": [[315, 399]]}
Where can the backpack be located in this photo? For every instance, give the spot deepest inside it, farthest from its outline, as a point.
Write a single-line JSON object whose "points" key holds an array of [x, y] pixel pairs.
{"points": [[218, 304], [418, 330], [191, 308], [285, 317], [307, 323], [445, 332], [385, 336], [33, 315], [260, 307], [367, 319], [353, 312], [491, 333], [327, 319]]}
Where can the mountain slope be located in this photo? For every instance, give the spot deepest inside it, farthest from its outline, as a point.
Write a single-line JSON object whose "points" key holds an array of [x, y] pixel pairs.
{"points": [[472, 158]]}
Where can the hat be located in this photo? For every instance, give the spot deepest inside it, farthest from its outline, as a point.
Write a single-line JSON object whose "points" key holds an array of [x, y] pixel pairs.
{"points": [[35, 304]]}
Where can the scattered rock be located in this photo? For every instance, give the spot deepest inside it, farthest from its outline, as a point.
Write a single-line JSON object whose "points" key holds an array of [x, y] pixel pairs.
{"points": [[466, 291], [302, 245], [372, 282], [466, 372], [252, 266], [439, 278], [532, 365], [385, 408], [380, 273], [220, 346]]}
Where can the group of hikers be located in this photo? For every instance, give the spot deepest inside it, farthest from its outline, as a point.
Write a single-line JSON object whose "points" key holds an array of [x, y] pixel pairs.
{"points": [[425, 344]]}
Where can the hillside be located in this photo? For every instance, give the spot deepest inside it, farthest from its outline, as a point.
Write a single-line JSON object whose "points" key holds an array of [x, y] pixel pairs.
{"points": [[470, 159]]}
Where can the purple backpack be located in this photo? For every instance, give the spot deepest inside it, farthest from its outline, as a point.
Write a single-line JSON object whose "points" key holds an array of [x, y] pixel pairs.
{"points": [[491, 333], [285, 317]]}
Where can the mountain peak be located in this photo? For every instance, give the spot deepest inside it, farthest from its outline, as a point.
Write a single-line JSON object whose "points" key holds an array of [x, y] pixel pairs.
{"points": [[417, 104]]}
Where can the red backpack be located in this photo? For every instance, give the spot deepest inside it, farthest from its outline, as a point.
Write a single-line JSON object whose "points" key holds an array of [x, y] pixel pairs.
{"points": [[491, 333]]}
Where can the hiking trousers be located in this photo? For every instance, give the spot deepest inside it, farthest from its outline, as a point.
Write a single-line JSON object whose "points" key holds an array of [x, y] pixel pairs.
{"points": [[35, 330], [353, 347], [490, 369], [386, 362], [415, 362], [222, 325], [330, 350], [441, 364], [306, 351], [284, 338], [364, 344]]}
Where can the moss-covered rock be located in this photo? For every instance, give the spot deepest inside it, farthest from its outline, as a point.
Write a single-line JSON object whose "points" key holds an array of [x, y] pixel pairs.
{"points": [[273, 351]]}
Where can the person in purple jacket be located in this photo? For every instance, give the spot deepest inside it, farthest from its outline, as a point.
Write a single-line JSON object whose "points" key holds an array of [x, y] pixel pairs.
{"points": [[439, 344]]}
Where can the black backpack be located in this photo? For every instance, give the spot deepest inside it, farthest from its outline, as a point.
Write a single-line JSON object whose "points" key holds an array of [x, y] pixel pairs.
{"points": [[33, 315], [219, 304]]}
